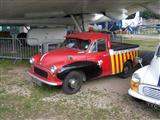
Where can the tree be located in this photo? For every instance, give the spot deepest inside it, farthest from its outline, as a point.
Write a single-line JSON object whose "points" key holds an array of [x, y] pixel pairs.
{"points": [[148, 15]]}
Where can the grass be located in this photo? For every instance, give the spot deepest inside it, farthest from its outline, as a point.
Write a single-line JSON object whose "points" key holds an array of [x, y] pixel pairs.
{"points": [[20, 99], [13, 105], [145, 45], [21, 107], [10, 63]]}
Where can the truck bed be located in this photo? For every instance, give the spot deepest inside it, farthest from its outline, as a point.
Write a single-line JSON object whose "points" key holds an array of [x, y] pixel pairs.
{"points": [[122, 46]]}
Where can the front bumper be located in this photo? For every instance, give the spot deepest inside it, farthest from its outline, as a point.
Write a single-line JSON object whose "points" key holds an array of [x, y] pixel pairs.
{"points": [[142, 97], [50, 80]]}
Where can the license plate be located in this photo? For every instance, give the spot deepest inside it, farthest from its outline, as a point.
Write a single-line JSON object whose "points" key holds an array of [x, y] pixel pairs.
{"points": [[37, 82]]}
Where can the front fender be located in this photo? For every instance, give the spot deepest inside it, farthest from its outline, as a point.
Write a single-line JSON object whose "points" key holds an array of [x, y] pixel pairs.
{"points": [[90, 69], [141, 72]]}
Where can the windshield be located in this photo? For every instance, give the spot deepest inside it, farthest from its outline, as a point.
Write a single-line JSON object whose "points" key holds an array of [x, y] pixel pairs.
{"points": [[76, 44]]}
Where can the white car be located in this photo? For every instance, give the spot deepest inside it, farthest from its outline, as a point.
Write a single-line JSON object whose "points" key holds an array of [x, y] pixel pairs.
{"points": [[145, 82]]}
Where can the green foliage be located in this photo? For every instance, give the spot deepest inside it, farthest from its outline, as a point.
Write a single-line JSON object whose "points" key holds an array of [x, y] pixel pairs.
{"points": [[145, 14], [148, 15]]}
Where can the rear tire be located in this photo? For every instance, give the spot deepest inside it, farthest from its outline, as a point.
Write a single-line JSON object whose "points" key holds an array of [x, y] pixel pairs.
{"points": [[73, 82], [127, 70]]}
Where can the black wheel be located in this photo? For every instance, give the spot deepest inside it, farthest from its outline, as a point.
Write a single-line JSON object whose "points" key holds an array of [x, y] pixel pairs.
{"points": [[73, 82], [127, 70]]}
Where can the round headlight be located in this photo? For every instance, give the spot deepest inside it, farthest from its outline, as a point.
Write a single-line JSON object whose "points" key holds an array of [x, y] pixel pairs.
{"points": [[135, 82], [53, 68], [136, 77], [31, 60]]}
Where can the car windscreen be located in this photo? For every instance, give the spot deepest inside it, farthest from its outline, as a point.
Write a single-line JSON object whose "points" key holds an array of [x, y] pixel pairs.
{"points": [[78, 44]]}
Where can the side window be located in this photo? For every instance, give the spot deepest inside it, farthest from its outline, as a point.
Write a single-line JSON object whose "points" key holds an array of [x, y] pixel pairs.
{"points": [[94, 49], [101, 45]]}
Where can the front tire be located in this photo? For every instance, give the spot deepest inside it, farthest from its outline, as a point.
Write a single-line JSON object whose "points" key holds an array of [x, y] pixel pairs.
{"points": [[73, 82]]}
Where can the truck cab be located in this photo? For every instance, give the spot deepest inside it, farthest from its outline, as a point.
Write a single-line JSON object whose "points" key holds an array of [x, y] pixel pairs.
{"points": [[82, 56], [145, 83]]}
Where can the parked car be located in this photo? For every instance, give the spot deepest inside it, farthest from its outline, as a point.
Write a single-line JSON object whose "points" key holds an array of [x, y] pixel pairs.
{"points": [[145, 83], [83, 56]]}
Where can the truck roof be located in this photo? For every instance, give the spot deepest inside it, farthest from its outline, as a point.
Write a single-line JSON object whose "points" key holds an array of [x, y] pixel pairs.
{"points": [[88, 35]]}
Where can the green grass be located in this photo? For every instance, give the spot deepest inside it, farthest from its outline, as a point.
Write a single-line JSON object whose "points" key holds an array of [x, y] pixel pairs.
{"points": [[12, 63], [13, 106], [20, 107], [145, 45]]}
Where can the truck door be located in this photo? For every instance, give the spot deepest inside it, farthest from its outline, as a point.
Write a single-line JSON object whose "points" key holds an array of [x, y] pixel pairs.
{"points": [[101, 55]]}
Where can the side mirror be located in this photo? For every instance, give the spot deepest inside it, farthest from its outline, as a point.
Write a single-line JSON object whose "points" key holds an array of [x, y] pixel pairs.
{"points": [[139, 60]]}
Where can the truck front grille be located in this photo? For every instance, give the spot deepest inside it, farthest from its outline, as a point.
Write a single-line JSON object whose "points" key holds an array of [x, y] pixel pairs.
{"points": [[152, 92], [40, 72]]}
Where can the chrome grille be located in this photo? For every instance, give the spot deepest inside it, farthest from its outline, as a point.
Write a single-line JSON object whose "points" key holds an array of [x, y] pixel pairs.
{"points": [[151, 92]]}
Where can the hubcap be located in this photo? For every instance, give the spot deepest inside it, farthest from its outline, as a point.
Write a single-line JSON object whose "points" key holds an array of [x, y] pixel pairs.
{"points": [[126, 69], [73, 83]]}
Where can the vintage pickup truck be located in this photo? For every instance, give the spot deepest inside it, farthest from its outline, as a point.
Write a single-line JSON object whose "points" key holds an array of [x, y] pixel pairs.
{"points": [[83, 56], [145, 83]]}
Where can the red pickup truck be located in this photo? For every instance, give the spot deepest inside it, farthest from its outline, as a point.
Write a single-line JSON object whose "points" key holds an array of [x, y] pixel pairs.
{"points": [[83, 56]]}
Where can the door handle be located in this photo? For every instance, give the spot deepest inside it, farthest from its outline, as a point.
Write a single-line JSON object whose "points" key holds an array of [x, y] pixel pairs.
{"points": [[105, 55]]}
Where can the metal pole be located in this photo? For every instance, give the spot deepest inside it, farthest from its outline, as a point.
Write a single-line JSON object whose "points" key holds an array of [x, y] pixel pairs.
{"points": [[76, 23], [26, 28], [82, 22]]}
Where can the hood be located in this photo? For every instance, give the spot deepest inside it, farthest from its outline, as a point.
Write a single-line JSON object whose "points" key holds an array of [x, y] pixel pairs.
{"points": [[152, 74], [61, 55]]}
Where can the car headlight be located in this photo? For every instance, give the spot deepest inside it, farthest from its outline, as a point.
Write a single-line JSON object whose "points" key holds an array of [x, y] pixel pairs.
{"points": [[53, 68], [31, 60], [135, 82]]}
